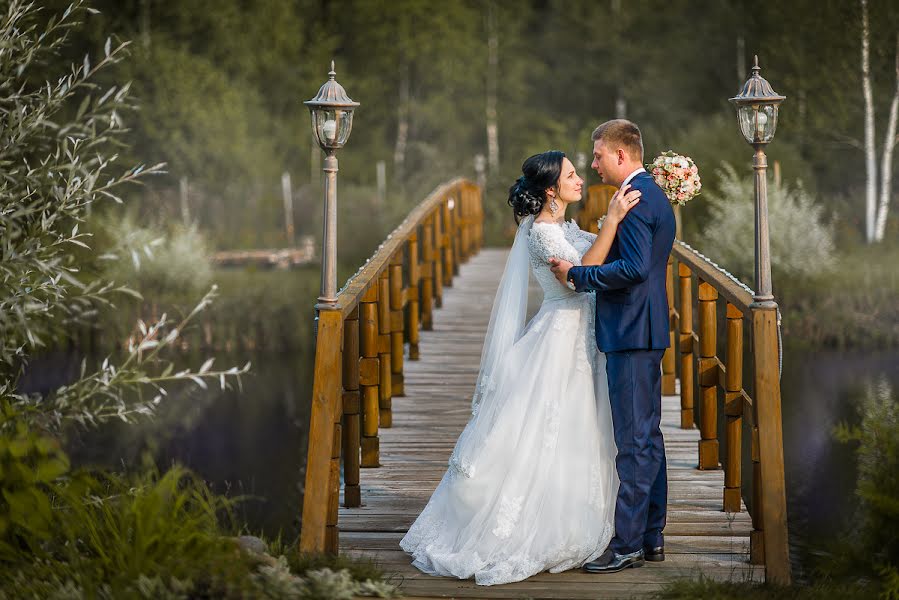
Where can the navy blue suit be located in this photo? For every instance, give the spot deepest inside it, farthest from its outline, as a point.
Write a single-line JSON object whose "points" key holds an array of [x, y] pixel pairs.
{"points": [[632, 331]]}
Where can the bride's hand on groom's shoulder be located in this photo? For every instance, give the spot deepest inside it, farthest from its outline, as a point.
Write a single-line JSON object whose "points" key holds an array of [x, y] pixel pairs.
{"points": [[560, 269], [622, 202]]}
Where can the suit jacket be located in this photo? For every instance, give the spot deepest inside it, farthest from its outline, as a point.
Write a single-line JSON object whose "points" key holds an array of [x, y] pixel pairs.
{"points": [[631, 299]]}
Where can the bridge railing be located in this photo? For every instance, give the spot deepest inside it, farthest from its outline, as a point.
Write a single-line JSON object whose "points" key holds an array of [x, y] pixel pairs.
{"points": [[361, 344], [710, 353]]}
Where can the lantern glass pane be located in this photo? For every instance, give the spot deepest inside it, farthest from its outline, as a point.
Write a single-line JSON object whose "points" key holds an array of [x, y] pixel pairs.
{"points": [[758, 122], [331, 126]]}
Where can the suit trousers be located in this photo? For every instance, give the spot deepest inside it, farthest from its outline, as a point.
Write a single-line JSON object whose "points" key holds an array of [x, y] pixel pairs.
{"points": [[635, 395]]}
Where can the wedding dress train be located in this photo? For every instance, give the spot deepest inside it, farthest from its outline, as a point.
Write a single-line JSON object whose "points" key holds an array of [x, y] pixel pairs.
{"points": [[531, 483]]}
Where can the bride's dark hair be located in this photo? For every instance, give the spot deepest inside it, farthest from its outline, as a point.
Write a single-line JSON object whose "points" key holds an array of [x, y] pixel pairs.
{"points": [[528, 194]]}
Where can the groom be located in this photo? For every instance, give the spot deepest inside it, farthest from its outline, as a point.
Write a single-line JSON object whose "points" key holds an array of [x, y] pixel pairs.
{"points": [[632, 331]]}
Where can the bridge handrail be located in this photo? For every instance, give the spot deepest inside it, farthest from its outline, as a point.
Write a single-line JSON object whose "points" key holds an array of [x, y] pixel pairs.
{"points": [[362, 341], [711, 380]]}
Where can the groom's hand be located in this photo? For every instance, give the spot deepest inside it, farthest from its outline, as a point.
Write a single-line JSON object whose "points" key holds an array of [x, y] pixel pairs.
{"points": [[560, 268]]}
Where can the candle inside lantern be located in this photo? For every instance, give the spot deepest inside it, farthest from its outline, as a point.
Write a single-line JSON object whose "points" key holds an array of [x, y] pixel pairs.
{"points": [[761, 120], [329, 130]]}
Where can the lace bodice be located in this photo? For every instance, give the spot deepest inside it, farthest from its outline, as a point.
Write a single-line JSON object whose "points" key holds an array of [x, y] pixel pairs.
{"points": [[566, 241]]}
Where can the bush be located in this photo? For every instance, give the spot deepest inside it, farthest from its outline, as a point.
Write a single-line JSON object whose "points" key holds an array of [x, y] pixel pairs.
{"points": [[801, 242], [152, 261], [854, 306], [877, 489]]}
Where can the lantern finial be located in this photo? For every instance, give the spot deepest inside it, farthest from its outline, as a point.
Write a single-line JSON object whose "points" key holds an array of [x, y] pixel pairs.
{"points": [[332, 74]]}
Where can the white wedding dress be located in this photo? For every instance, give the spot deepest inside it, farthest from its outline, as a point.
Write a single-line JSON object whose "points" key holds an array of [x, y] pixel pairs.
{"points": [[531, 483]]}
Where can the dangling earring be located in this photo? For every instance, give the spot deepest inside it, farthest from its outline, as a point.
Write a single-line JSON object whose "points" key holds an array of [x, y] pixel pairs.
{"points": [[553, 207]]}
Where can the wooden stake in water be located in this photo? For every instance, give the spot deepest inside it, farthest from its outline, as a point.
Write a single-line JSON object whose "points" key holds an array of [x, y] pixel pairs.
{"points": [[287, 193]]}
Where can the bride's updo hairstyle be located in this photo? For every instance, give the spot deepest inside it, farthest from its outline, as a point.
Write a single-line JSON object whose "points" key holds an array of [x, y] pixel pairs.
{"points": [[528, 194]]}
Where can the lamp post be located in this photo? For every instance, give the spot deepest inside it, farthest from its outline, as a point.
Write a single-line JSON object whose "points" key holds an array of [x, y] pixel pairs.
{"points": [[757, 105], [332, 121]]}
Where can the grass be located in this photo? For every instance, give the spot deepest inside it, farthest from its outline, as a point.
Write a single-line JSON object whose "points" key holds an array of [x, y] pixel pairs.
{"points": [[705, 589]]}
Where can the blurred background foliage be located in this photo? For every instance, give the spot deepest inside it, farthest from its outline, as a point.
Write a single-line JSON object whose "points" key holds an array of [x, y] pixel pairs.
{"points": [[220, 86]]}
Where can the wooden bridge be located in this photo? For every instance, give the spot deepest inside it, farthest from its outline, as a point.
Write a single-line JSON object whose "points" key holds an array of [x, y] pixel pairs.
{"points": [[393, 385]]}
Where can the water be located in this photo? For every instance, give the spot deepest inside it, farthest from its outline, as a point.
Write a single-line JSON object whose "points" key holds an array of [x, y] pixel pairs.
{"points": [[819, 390], [249, 443]]}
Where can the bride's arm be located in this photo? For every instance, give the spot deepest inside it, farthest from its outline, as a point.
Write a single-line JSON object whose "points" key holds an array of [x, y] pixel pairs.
{"points": [[623, 200]]}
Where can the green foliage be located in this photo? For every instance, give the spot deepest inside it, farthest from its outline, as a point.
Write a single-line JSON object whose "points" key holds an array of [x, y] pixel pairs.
{"points": [[56, 164], [707, 589], [801, 243], [853, 307], [29, 465], [877, 488], [221, 85], [155, 263], [360, 569], [59, 146], [112, 530], [150, 535]]}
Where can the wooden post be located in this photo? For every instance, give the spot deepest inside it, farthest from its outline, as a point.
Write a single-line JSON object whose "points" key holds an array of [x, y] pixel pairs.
{"points": [[427, 274], [381, 178], [325, 413], [471, 214], [385, 379], [733, 409], [287, 194], [708, 377], [686, 346], [183, 188], [369, 375], [477, 200], [437, 268], [331, 534], [455, 232], [668, 359], [352, 495], [413, 318], [446, 242], [757, 535], [397, 302], [768, 410], [465, 233]]}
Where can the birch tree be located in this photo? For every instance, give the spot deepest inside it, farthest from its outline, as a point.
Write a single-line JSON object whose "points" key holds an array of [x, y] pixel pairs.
{"points": [[886, 167], [876, 211], [492, 67], [870, 153]]}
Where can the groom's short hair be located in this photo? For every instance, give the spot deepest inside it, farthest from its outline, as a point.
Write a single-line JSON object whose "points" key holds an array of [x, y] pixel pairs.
{"points": [[621, 133]]}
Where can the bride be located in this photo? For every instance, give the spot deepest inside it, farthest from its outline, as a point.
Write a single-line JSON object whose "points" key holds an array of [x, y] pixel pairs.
{"points": [[531, 483]]}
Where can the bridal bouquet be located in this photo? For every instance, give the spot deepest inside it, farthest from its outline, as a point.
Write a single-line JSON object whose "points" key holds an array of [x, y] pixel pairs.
{"points": [[677, 176]]}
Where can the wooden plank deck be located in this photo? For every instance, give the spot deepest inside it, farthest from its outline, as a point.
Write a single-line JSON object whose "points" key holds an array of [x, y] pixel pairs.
{"points": [[700, 537]]}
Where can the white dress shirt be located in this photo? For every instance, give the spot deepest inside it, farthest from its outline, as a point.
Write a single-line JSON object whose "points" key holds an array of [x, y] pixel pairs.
{"points": [[632, 175]]}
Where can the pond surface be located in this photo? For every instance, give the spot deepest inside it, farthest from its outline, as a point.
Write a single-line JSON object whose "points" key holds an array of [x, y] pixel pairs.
{"points": [[820, 390]]}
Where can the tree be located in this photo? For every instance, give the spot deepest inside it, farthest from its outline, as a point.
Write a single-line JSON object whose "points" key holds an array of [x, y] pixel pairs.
{"points": [[58, 146], [875, 215]]}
